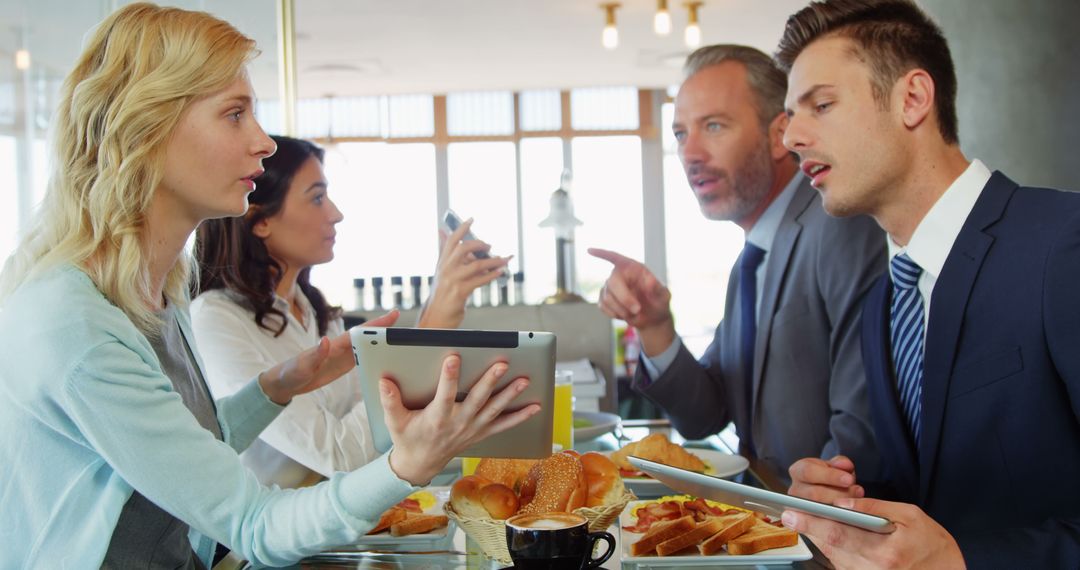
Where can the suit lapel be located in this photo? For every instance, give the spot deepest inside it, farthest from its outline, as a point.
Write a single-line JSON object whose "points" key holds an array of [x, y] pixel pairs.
{"points": [[947, 306], [787, 235]]}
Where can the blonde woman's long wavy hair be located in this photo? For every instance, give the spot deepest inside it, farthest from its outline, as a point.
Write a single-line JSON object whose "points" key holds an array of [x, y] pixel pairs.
{"points": [[141, 69]]}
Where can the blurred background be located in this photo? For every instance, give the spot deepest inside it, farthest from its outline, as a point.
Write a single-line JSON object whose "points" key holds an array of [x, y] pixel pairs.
{"points": [[480, 105]]}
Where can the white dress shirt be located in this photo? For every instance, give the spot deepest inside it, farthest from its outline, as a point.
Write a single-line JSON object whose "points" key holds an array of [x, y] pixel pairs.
{"points": [[935, 235], [761, 234], [323, 431]]}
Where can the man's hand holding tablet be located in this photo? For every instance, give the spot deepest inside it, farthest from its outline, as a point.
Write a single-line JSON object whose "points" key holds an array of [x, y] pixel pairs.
{"points": [[917, 541]]}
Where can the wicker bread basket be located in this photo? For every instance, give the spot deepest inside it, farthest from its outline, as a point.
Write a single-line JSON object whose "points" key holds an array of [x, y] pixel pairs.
{"points": [[490, 534]]}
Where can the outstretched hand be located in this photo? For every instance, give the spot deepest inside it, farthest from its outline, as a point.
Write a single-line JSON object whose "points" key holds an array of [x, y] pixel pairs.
{"points": [[632, 293], [316, 366]]}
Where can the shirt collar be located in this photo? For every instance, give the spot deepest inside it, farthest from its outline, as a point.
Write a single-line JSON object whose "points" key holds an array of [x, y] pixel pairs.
{"points": [[764, 230], [934, 236], [281, 304]]}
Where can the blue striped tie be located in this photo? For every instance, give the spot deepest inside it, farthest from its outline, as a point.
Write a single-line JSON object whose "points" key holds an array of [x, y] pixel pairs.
{"points": [[906, 324]]}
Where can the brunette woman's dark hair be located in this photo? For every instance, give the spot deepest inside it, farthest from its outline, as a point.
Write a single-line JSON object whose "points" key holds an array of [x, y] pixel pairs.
{"points": [[233, 258]]}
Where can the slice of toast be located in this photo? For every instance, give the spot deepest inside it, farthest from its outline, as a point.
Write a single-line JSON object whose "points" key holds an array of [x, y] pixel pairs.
{"points": [[731, 526], [660, 532], [762, 536], [392, 516], [697, 534], [418, 524]]}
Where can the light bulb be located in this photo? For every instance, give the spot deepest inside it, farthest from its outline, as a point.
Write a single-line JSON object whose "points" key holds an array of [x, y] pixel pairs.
{"points": [[22, 59], [692, 35], [610, 38], [662, 22]]}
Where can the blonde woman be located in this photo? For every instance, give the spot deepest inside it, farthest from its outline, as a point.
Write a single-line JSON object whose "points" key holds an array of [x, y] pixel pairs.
{"points": [[112, 449]]}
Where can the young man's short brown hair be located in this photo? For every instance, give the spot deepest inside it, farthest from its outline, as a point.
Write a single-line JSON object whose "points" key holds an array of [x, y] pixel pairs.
{"points": [[892, 38]]}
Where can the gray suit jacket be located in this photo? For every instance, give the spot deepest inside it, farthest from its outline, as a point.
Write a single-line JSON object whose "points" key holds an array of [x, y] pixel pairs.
{"points": [[809, 389]]}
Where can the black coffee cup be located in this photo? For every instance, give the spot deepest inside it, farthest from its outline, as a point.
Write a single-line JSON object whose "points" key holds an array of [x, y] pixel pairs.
{"points": [[559, 541]]}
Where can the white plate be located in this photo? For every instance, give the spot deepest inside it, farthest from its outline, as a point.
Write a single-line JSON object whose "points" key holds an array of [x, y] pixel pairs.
{"points": [[602, 422], [722, 465], [784, 555], [442, 494]]}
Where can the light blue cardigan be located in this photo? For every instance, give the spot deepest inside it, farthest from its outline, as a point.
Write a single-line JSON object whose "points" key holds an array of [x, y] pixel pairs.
{"points": [[88, 415]]}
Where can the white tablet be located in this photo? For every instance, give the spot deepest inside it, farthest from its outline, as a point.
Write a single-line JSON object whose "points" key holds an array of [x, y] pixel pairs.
{"points": [[753, 498], [414, 357]]}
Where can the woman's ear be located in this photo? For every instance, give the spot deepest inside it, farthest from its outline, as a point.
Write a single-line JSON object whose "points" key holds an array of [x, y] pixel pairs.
{"points": [[261, 229]]}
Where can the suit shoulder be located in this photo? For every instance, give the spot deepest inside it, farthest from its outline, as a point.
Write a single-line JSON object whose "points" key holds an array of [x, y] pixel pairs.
{"points": [[1067, 200], [833, 232], [1042, 212]]}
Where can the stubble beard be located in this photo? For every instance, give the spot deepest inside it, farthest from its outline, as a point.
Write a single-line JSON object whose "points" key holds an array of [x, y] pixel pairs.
{"points": [[749, 186]]}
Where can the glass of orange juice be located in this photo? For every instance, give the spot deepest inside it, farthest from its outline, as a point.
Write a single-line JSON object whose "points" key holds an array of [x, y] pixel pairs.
{"points": [[468, 465], [562, 432], [563, 413]]}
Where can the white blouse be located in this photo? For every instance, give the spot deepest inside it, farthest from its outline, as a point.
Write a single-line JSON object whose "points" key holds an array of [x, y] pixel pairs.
{"points": [[323, 431]]}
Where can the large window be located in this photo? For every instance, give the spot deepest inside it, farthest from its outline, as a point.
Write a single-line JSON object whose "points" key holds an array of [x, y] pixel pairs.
{"points": [[607, 199], [54, 34], [9, 213], [483, 186], [499, 173], [387, 194], [541, 171]]}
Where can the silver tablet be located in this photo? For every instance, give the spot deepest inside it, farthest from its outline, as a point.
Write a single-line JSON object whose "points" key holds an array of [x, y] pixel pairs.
{"points": [[747, 497], [413, 358]]}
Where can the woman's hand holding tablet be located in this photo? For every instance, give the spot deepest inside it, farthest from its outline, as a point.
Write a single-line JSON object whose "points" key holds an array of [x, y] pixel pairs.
{"points": [[426, 440], [415, 361]]}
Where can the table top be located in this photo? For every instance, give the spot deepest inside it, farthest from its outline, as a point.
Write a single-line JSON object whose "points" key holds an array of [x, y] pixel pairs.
{"points": [[457, 551]]}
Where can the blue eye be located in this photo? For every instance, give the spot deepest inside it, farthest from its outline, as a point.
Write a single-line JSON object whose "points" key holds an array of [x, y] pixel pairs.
{"points": [[713, 127], [680, 135]]}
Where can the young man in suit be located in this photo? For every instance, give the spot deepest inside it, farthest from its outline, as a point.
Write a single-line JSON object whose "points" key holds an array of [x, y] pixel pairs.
{"points": [[971, 340], [784, 364]]}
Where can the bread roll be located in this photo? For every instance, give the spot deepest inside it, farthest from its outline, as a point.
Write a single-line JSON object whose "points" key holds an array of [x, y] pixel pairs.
{"points": [[499, 501], [556, 484], [509, 472], [477, 497], [602, 478]]}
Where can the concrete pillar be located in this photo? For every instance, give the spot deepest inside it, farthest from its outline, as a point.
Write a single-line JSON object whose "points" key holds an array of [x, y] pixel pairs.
{"points": [[1018, 67]]}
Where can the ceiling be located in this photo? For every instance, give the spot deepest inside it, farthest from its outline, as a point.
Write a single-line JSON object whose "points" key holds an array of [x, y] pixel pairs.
{"points": [[364, 47]]}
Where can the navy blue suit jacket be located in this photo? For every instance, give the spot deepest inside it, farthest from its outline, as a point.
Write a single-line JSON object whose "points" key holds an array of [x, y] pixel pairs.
{"points": [[998, 464]]}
